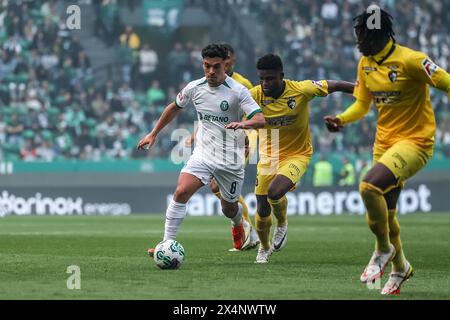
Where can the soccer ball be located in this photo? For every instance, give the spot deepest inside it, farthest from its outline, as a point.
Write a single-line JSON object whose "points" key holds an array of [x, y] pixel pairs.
{"points": [[169, 254]]}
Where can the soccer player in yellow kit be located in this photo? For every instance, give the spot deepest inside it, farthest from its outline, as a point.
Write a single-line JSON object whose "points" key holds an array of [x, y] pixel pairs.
{"points": [[285, 147], [397, 80], [230, 68]]}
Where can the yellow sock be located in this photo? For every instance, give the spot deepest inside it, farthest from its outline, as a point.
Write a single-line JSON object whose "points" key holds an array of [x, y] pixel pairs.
{"points": [[244, 207], [394, 235], [377, 214], [263, 225], [279, 209], [245, 210]]}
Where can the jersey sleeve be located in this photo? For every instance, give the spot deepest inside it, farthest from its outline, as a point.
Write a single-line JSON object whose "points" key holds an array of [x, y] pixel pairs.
{"points": [[255, 93], [420, 67], [246, 83], [361, 91], [185, 96], [248, 104], [312, 88]]}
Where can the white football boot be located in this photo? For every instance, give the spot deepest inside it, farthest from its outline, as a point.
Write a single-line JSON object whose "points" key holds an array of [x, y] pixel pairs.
{"points": [[377, 264], [254, 239], [263, 255], [396, 279], [279, 237]]}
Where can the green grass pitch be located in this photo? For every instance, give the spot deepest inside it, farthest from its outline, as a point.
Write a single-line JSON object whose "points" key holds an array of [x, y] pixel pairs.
{"points": [[323, 259]]}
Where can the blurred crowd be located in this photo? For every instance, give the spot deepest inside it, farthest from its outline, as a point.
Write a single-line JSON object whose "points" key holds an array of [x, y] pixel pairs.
{"points": [[317, 42], [52, 107]]}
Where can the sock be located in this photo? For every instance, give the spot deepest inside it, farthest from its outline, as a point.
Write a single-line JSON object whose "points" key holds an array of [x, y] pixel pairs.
{"points": [[245, 210], [263, 225], [237, 219], [174, 217], [279, 209], [377, 214], [394, 235]]}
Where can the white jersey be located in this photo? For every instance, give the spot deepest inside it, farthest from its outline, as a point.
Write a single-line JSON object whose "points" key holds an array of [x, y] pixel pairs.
{"points": [[216, 107]]}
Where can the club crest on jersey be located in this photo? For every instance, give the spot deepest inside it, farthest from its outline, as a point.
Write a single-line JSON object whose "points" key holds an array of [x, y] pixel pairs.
{"points": [[291, 102], [224, 105], [430, 67], [393, 76]]}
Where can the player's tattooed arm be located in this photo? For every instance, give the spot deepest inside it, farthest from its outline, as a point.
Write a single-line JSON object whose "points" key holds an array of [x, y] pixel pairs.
{"points": [[340, 86], [169, 113]]}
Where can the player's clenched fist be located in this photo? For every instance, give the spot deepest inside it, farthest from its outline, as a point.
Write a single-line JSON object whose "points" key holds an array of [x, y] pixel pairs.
{"points": [[147, 142], [333, 123]]}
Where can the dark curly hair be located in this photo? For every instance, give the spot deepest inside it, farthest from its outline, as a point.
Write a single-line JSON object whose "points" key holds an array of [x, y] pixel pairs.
{"points": [[374, 38], [215, 50], [270, 62], [229, 48]]}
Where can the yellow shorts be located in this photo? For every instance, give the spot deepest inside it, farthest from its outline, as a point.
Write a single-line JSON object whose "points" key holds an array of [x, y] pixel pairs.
{"points": [[404, 159], [293, 169]]}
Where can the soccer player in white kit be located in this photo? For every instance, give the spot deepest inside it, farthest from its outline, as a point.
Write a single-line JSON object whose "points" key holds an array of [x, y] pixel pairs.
{"points": [[220, 103]]}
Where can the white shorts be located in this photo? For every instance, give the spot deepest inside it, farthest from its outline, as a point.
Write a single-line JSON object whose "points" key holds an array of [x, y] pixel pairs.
{"points": [[229, 181]]}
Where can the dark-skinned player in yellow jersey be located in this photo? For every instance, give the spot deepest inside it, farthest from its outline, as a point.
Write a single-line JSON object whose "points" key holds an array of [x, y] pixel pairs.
{"points": [[397, 80], [285, 147]]}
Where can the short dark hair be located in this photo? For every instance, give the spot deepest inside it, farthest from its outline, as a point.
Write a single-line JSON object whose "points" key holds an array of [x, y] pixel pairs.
{"points": [[374, 35], [229, 48], [270, 62], [215, 50]]}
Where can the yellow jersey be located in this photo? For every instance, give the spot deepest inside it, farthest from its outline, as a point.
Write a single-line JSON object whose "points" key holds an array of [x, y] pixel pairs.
{"points": [[286, 133], [251, 134], [242, 80], [397, 81]]}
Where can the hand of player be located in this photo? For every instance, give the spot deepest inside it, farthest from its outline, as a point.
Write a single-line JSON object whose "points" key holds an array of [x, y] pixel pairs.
{"points": [[235, 125], [147, 142], [333, 123]]}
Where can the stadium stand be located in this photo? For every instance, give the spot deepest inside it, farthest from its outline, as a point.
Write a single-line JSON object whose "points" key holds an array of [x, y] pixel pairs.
{"points": [[53, 107]]}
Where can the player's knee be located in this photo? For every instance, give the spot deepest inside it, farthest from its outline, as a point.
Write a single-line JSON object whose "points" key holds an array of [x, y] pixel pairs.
{"points": [[275, 193], [181, 195], [229, 209], [368, 190], [263, 209]]}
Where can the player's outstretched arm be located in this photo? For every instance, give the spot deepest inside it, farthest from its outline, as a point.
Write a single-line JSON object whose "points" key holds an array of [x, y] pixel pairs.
{"points": [[444, 84], [256, 122], [169, 113], [340, 86], [353, 113]]}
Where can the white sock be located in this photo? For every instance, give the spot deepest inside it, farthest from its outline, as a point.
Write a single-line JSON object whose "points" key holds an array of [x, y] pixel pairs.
{"points": [[174, 217], [237, 219]]}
